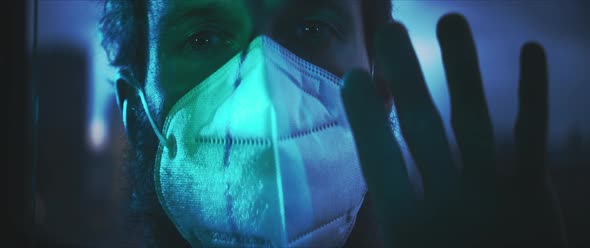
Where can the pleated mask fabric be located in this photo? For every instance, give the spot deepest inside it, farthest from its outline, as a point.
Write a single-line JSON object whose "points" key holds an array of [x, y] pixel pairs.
{"points": [[260, 154]]}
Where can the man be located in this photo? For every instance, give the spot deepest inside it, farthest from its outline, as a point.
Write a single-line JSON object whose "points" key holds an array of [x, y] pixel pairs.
{"points": [[198, 76]]}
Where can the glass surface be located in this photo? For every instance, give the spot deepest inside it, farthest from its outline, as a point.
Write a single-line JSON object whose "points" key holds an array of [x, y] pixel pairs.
{"points": [[81, 186]]}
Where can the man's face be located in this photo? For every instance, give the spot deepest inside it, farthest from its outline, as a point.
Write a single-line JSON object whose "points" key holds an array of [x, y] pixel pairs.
{"points": [[191, 39], [188, 40]]}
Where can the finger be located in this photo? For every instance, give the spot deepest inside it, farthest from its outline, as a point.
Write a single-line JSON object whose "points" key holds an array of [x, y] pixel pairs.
{"points": [[469, 112], [543, 211], [381, 158], [420, 122], [531, 124]]}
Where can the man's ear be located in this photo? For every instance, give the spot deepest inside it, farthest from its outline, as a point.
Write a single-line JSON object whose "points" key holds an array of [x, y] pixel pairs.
{"points": [[126, 93]]}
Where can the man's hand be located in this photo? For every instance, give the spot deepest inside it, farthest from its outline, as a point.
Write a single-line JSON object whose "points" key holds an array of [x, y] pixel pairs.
{"points": [[467, 208]]}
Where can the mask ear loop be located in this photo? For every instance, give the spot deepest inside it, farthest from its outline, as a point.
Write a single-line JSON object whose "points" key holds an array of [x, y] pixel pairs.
{"points": [[149, 116], [125, 113]]}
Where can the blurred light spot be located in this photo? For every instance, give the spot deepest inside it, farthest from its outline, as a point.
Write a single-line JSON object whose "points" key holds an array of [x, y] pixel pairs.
{"points": [[101, 95], [427, 52], [97, 134], [422, 31]]}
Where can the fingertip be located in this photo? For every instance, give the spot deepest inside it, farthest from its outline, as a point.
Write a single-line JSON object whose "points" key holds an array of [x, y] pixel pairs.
{"points": [[359, 94], [451, 25], [390, 28], [393, 50], [387, 33], [356, 83], [533, 63], [533, 46], [355, 78], [356, 74], [534, 51]]}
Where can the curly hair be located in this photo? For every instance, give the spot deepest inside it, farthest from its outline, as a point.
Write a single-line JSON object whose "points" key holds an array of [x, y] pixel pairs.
{"points": [[124, 28]]}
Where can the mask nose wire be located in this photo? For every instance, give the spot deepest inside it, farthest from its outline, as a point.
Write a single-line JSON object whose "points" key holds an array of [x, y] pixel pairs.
{"points": [[149, 116]]}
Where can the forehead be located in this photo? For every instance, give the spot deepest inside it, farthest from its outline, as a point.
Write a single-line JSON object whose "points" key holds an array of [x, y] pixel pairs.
{"points": [[177, 5], [169, 10]]}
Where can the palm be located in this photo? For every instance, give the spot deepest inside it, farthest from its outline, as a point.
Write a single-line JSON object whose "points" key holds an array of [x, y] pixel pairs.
{"points": [[467, 208]]}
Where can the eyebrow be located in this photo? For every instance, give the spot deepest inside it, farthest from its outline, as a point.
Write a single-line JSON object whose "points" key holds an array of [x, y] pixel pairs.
{"points": [[214, 9], [339, 5], [340, 8], [179, 15], [329, 3]]}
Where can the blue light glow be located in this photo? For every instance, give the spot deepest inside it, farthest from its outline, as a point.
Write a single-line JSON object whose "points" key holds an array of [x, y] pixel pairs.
{"points": [[500, 28], [101, 95], [422, 30], [98, 132]]}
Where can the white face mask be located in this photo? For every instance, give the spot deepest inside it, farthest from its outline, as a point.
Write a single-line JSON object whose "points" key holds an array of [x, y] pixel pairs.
{"points": [[261, 154]]}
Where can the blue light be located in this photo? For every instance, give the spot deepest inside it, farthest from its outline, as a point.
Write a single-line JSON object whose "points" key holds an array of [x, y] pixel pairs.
{"points": [[101, 96], [500, 28], [420, 20], [98, 133]]}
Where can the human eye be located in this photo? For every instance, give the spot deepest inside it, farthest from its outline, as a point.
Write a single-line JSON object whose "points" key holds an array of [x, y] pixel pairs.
{"points": [[316, 34], [209, 40]]}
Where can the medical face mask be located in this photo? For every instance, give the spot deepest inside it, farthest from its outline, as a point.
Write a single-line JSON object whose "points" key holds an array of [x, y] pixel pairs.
{"points": [[261, 154]]}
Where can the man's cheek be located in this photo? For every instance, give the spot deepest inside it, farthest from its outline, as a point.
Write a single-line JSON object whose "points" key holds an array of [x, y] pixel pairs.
{"points": [[167, 82]]}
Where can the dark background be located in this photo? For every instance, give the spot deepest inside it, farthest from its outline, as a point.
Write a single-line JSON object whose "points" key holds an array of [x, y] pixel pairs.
{"points": [[80, 144]]}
